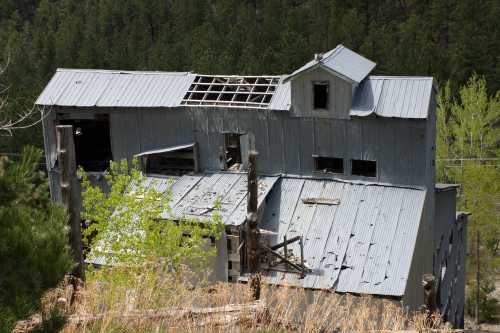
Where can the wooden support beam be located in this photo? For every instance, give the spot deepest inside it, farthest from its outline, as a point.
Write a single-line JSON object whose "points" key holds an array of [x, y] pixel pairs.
{"points": [[253, 233], [70, 193]]}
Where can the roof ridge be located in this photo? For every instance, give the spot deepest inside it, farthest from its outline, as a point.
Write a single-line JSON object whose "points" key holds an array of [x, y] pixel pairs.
{"points": [[406, 77], [117, 71]]}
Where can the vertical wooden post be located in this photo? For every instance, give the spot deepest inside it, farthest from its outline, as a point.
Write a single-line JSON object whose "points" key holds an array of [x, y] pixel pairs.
{"points": [[428, 281], [253, 233], [476, 310], [69, 193]]}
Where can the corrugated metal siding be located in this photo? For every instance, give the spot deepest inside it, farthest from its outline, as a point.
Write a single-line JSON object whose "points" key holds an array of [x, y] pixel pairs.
{"points": [[195, 196], [363, 245], [86, 88], [342, 61], [396, 97]]}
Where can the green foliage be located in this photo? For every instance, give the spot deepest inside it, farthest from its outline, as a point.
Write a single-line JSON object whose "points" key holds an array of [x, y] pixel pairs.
{"points": [[489, 306], [468, 150], [446, 39], [132, 224], [34, 252]]}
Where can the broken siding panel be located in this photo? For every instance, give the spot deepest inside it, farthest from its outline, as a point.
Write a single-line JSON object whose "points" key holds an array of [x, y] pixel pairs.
{"points": [[265, 185], [301, 222], [339, 236], [319, 229], [359, 244], [378, 256], [404, 243], [200, 198]]}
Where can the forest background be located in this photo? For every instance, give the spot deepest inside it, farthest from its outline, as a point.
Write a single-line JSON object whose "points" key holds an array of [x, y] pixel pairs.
{"points": [[455, 41]]}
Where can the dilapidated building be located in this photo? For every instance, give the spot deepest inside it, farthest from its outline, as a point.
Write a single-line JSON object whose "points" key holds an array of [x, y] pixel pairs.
{"points": [[346, 161]]}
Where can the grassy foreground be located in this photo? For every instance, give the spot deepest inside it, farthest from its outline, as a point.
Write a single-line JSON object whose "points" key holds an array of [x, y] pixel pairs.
{"points": [[156, 303]]}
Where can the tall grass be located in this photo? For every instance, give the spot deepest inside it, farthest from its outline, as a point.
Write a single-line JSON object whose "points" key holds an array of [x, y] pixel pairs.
{"points": [[166, 303]]}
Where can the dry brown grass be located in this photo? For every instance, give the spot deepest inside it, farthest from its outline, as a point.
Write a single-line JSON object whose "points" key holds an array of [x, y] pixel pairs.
{"points": [[148, 304]]}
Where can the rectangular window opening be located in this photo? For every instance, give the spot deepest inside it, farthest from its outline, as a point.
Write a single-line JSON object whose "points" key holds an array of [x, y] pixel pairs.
{"points": [[173, 161], [92, 142], [232, 150], [364, 168], [320, 95], [328, 164]]}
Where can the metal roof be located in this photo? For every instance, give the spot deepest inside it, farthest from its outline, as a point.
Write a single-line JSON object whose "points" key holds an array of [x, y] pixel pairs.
{"points": [[384, 96], [195, 196], [364, 244], [341, 61], [393, 96], [108, 88], [101, 88]]}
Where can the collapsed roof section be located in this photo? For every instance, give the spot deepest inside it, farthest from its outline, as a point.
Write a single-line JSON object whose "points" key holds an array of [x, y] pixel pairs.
{"points": [[233, 91]]}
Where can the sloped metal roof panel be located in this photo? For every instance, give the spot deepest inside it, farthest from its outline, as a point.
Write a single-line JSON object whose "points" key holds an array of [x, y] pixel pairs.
{"points": [[340, 60], [195, 196], [349, 63], [101, 88], [393, 97], [364, 244], [282, 99]]}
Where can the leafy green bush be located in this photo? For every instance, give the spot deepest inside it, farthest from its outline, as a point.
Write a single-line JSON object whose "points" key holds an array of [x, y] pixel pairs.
{"points": [[34, 252], [133, 226]]}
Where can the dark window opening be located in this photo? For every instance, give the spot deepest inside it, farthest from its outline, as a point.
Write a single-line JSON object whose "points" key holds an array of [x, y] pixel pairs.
{"points": [[176, 163], [320, 95], [329, 164], [92, 142], [232, 151], [364, 168]]}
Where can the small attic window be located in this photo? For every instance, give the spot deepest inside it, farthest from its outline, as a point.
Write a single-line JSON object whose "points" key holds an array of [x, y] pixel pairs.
{"points": [[364, 168], [320, 95]]}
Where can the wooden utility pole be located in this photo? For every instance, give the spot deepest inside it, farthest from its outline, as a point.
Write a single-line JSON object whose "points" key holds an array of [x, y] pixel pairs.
{"points": [[253, 233], [476, 310], [70, 193]]}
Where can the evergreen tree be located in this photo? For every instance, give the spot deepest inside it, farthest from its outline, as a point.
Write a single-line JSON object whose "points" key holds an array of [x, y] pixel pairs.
{"points": [[34, 252]]}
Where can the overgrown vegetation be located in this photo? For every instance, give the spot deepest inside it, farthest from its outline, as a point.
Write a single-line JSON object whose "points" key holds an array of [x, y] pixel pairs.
{"points": [[34, 252], [468, 146], [171, 304], [132, 224]]}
